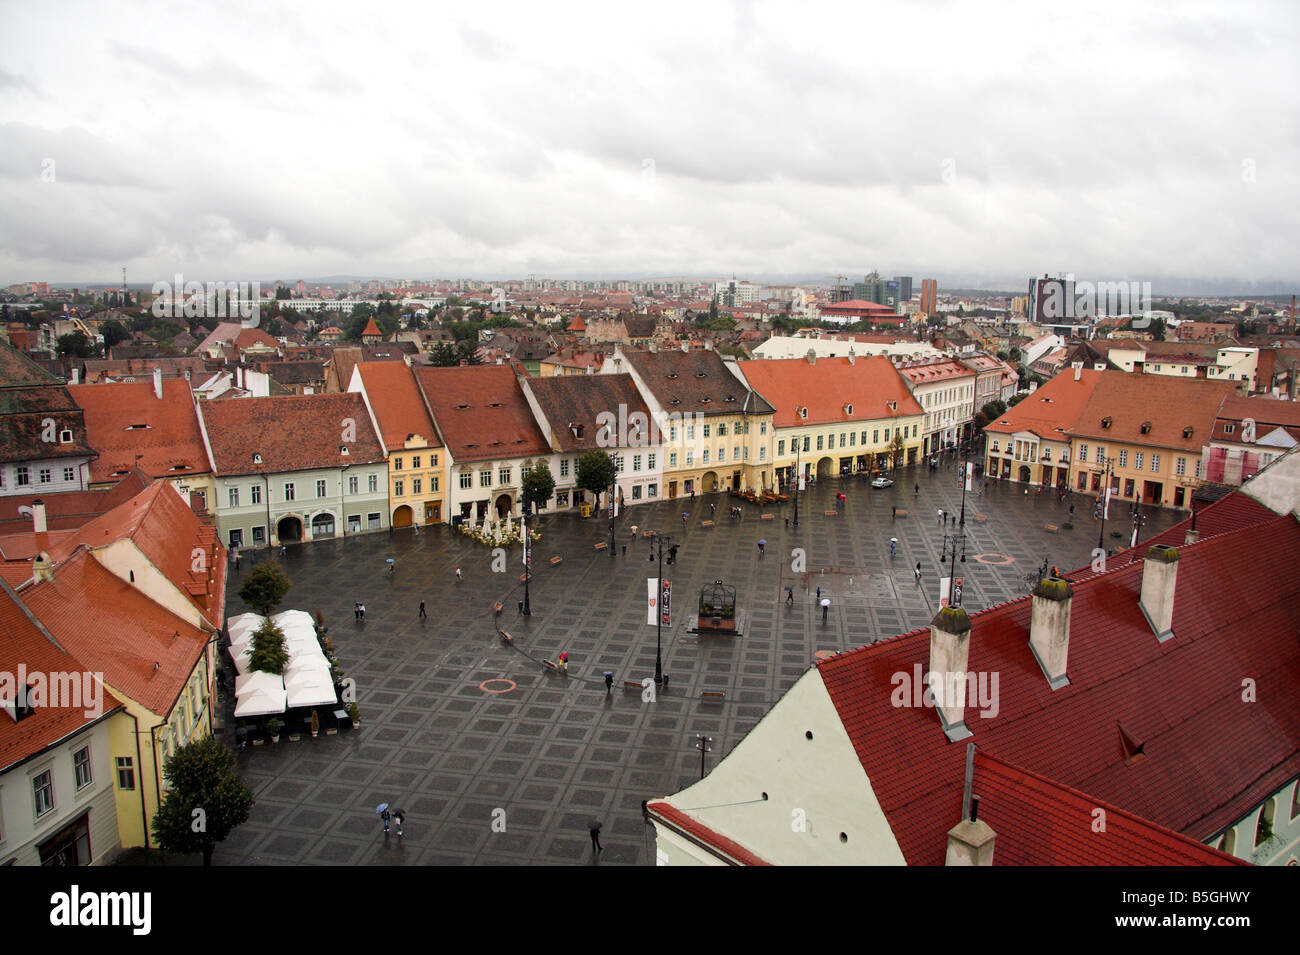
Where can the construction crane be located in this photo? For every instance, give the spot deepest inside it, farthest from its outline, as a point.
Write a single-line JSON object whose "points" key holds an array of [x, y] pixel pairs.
{"points": [[838, 279]]}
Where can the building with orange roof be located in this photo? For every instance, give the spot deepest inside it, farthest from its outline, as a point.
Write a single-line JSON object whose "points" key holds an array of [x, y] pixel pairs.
{"points": [[136, 596], [417, 465], [1147, 432], [837, 413], [58, 788], [945, 389], [152, 426], [304, 466], [43, 445], [1030, 443], [372, 334]]}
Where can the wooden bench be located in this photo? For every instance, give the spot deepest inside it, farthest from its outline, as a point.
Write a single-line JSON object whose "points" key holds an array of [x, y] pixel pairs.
{"points": [[765, 517], [602, 545], [981, 518], [832, 513], [645, 534], [901, 512], [1051, 528], [706, 523], [713, 696], [633, 686], [556, 560]]}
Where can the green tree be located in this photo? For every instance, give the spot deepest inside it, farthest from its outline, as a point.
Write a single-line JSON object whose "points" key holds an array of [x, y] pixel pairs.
{"points": [[270, 654], [282, 293], [896, 449], [113, 332], [75, 345], [444, 355], [265, 587], [206, 801], [538, 485], [595, 473]]}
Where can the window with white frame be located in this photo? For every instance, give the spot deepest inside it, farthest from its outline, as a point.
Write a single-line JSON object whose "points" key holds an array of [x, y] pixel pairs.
{"points": [[485, 478], [288, 492], [352, 484], [373, 483], [1101, 455], [1123, 459], [466, 480], [503, 475], [650, 461], [1138, 458], [1155, 462], [255, 492], [1083, 453], [43, 792], [125, 773], [1180, 466], [233, 495], [320, 488], [81, 767]]}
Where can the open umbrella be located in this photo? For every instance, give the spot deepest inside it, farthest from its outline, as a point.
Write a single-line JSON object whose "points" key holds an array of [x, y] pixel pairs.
{"points": [[380, 808]]}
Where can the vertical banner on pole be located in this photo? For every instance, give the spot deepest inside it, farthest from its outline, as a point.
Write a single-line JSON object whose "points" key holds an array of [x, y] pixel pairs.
{"points": [[651, 596], [956, 591], [943, 591], [664, 601]]}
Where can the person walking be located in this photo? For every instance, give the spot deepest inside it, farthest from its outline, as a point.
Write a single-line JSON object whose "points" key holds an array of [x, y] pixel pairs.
{"points": [[399, 816], [789, 596], [594, 828], [385, 815], [893, 513], [692, 498], [363, 612], [712, 509], [423, 615], [916, 490], [356, 611], [685, 516], [941, 517], [918, 571], [826, 606], [564, 661], [819, 593], [761, 547], [459, 575]]}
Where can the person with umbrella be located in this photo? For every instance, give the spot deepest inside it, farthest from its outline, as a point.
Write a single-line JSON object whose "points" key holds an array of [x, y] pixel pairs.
{"points": [[762, 545], [399, 815], [826, 606], [384, 814]]}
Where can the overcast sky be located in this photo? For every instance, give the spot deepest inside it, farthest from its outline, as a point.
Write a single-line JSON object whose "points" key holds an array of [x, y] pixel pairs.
{"points": [[978, 142]]}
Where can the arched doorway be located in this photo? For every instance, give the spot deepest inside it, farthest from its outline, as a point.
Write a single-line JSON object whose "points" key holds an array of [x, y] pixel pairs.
{"points": [[289, 529], [709, 482], [504, 506], [1024, 474], [825, 468], [322, 526], [402, 516]]}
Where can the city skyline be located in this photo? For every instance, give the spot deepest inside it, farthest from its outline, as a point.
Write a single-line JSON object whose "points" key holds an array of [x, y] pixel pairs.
{"points": [[978, 147]]}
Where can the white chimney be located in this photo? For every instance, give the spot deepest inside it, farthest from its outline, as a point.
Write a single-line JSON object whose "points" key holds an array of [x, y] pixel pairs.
{"points": [[43, 567], [1049, 628], [1159, 575], [76, 376], [812, 357], [949, 653], [38, 516], [1078, 370], [971, 841]]}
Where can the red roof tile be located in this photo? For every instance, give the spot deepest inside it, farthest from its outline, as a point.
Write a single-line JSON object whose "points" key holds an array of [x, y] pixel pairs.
{"points": [[1051, 410], [1131, 402], [146, 653], [169, 445], [1041, 822], [481, 412], [290, 432], [1207, 760], [395, 398], [23, 641], [825, 388]]}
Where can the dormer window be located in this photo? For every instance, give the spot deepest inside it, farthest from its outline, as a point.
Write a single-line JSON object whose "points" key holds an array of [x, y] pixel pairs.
{"points": [[133, 427], [848, 409], [257, 459], [65, 436], [672, 374], [803, 412], [343, 450], [1107, 421], [1146, 427]]}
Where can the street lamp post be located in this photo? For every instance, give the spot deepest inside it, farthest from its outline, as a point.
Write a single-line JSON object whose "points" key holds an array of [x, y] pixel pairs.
{"points": [[798, 477], [1105, 502], [958, 538], [613, 481], [528, 564], [1138, 521], [658, 545]]}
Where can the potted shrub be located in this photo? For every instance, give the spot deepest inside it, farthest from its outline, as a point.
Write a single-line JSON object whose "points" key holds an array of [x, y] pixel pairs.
{"points": [[315, 724], [355, 712], [273, 727]]}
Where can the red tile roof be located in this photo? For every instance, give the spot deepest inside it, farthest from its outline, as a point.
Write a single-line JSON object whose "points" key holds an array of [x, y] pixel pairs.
{"points": [[1169, 405], [581, 400], [1041, 822], [1052, 410], [23, 641], [170, 535], [396, 401], [170, 444], [371, 329], [1207, 759], [146, 653], [825, 388], [481, 412], [290, 432]]}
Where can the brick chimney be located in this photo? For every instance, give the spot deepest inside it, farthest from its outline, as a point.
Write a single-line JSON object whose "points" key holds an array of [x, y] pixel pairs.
{"points": [[949, 652], [1159, 574], [1049, 628]]}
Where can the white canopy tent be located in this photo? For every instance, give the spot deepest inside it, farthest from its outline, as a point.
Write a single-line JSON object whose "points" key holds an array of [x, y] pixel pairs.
{"points": [[306, 680]]}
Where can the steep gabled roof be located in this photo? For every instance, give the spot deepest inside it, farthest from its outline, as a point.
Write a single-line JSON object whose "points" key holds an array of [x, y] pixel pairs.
{"points": [[146, 653], [125, 420], [23, 640], [578, 401], [1052, 410], [695, 381], [870, 385], [481, 412], [395, 398], [1207, 758], [290, 432], [1155, 410]]}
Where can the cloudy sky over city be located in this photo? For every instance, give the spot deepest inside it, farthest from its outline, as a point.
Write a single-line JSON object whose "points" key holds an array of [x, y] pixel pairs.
{"points": [[975, 142]]}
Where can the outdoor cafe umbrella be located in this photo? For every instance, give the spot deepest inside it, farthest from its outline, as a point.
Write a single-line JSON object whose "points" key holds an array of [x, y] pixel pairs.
{"points": [[261, 703]]}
